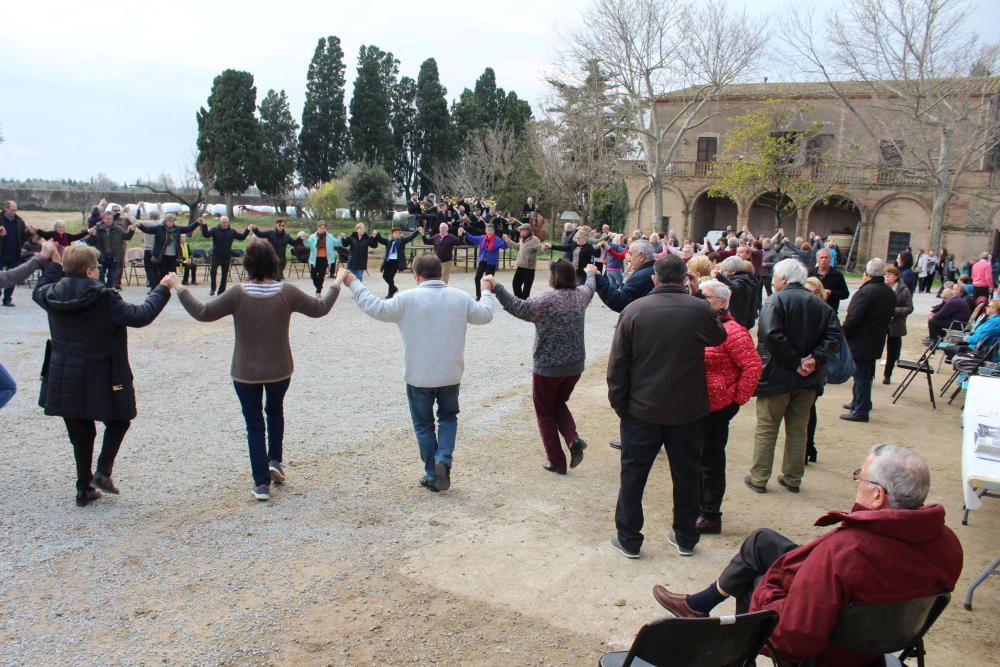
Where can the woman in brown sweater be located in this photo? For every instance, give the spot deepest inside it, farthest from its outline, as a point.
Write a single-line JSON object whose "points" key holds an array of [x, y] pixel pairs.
{"points": [[262, 357]]}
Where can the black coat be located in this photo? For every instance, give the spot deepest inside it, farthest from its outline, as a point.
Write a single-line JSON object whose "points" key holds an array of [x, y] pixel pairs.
{"points": [[743, 301], [279, 240], [835, 282], [588, 254], [656, 369], [400, 249], [161, 233], [868, 317], [87, 374], [794, 323], [222, 239], [357, 247], [21, 230]]}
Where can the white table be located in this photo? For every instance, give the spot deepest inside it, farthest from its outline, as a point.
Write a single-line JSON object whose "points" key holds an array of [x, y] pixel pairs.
{"points": [[982, 406]]}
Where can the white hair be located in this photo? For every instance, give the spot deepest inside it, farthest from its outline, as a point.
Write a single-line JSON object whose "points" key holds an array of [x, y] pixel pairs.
{"points": [[733, 264], [717, 289], [902, 473], [791, 271], [875, 268], [642, 247]]}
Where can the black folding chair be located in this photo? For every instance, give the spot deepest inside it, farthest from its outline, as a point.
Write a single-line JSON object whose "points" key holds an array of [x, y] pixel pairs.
{"points": [[969, 365], [914, 368], [697, 642], [884, 629]]}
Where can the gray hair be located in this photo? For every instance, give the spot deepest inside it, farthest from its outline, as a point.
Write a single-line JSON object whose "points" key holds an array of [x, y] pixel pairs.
{"points": [[902, 473], [791, 271], [154, 215], [733, 243], [717, 289], [875, 267], [642, 247], [733, 264], [169, 216]]}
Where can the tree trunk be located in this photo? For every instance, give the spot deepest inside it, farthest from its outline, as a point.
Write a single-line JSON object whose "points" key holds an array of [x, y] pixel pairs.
{"points": [[229, 204], [656, 182], [939, 206]]}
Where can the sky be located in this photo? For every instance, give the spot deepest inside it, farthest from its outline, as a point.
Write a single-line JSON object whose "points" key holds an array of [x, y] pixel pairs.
{"points": [[113, 87]]}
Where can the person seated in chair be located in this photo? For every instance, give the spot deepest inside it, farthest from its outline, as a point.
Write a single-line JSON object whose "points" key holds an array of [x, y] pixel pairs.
{"points": [[889, 548], [188, 261], [953, 308]]}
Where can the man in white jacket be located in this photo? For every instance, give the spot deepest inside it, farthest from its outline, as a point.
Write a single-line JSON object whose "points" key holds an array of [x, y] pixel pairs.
{"points": [[432, 313]]}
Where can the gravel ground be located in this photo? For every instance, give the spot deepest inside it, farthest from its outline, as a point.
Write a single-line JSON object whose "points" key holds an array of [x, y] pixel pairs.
{"points": [[351, 563]]}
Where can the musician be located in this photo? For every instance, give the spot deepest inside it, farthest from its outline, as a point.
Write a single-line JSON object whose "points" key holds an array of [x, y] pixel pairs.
{"points": [[528, 208]]}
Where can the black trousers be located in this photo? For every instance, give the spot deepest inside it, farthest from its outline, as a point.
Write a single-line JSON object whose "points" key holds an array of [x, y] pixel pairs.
{"points": [[282, 262], [168, 264], [483, 269], [641, 442], [936, 328], [82, 433], [217, 264], [190, 271], [766, 281], [893, 346], [523, 279], [149, 268], [714, 437], [811, 431], [389, 271], [318, 273], [757, 553]]}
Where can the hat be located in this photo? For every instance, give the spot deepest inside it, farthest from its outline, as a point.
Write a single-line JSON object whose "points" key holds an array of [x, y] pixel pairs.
{"points": [[524, 226]]}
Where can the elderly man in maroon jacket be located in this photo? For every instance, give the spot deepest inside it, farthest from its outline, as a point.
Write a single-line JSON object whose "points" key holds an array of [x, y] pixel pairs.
{"points": [[889, 548]]}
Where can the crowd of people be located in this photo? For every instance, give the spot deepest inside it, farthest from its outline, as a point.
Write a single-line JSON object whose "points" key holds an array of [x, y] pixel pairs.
{"points": [[682, 363]]}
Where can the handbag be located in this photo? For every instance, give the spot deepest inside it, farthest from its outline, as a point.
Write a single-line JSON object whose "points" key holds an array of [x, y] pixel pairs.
{"points": [[840, 366]]}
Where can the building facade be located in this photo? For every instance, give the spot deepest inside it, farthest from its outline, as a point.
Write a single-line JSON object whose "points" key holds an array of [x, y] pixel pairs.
{"points": [[873, 196]]}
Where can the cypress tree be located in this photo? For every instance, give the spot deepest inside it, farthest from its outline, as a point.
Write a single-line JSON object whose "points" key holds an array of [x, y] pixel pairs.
{"points": [[228, 135], [371, 108], [404, 114], [323, 140], [433, 128], [490, 98], [279, 148]]}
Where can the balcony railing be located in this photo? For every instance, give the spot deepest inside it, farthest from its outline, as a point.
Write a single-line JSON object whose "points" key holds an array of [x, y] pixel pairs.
{"points": [[877, 175]]}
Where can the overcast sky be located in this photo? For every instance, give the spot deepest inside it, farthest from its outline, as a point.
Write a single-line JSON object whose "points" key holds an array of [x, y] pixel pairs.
{"points": [[113, 87]]}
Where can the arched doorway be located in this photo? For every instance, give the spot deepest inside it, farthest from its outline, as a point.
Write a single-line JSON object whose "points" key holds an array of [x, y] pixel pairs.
{"points": [[711, 213], [837, 215], [770, 211], [900, 222], [673, 210]]}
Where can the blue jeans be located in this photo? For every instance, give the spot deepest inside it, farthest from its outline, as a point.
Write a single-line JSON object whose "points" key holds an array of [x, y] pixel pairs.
{"points": [[434, 447], [616, 277], [7, 386], [108, 272], [359, 274], [864, 372], [263, 449]]}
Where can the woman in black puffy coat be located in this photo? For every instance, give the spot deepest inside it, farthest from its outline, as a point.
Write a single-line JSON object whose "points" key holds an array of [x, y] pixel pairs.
{"points": [[86, 375]]}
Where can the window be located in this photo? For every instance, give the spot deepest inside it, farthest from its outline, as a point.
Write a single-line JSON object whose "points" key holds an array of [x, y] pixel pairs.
{"points": [[898, 242], [817, 146], [707, 148], [891, 152]]}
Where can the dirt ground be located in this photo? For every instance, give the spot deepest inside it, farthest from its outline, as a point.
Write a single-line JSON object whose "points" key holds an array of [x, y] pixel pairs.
{"points": [[351, 563]]}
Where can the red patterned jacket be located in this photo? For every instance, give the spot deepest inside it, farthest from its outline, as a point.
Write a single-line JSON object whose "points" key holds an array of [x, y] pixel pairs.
{"points": [[733, 368]]}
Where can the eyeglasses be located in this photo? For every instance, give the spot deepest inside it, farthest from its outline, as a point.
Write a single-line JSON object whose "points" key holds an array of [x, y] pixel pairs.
{"points": [[858, 478]]}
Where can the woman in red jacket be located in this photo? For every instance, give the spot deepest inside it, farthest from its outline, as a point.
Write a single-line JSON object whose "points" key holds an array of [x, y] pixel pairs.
{"points": [[731, 372]]}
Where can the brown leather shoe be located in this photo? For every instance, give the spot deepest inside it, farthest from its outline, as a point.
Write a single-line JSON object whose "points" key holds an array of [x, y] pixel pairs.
{"points": [[708, 526], [675, 604]]}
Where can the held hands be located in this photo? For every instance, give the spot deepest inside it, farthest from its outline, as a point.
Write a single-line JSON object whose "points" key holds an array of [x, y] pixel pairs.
{"points": [[807, 366], [171, 281], [344, 277], [461, 231], [420, 230], [488, 283], [590, 268]]}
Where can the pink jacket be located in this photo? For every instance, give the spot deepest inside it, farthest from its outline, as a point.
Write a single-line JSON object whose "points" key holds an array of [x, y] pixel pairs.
{"points": [[982, 274], [733, 368]]}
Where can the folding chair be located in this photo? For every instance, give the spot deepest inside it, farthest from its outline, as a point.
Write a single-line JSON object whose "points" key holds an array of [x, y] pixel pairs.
{"points": [[914, 368], [968, 366], [702, 642], [887, 628]]}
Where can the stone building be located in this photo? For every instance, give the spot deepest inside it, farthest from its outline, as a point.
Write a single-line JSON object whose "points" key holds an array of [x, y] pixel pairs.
{"points": [[878, 197]]}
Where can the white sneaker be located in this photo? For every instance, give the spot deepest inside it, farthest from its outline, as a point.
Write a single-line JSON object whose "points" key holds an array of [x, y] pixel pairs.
{"points": [[262, 492]]}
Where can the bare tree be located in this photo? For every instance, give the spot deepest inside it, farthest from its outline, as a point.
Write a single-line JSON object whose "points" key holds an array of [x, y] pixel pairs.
{"points": [[487, 160], [191, 191], [908, 64], [651, 47]]}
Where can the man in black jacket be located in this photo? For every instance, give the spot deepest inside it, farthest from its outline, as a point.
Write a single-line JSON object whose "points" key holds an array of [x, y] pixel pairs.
{"points": [[866, 326], [796, 335], [639, 284], [395, 255], [13, 234], [279, 240], [832, 279], [166, 244], [222, 248], [745, 290], [109, 238], [656, 385]]}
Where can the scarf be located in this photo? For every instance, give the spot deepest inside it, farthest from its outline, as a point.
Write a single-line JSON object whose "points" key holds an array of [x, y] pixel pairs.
{"points": [[488, 243]]}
